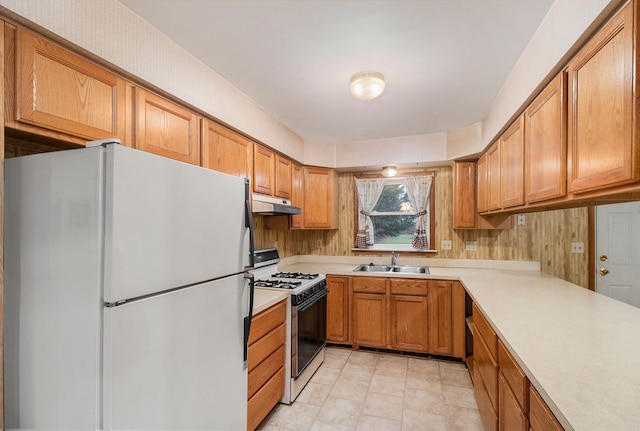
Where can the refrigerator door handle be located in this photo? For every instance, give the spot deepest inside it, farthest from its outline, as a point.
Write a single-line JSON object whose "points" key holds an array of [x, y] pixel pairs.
{"points": [[248, 221], [247, 319]]}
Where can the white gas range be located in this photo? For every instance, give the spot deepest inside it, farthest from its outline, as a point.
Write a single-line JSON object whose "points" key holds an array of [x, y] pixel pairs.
{"points": [[306, 317]]}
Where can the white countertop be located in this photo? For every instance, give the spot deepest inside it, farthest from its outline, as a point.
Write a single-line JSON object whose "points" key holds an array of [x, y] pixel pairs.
{"points": [[580, 349], [263, 299]]}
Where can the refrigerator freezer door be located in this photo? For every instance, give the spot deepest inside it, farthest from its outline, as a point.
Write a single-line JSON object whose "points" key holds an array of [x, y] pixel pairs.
{"points": [[174, 361], [169, 224], [53, 291]]}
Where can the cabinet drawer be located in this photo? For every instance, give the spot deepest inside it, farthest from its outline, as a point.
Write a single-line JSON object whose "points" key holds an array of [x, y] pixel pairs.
{"points": [[517, 380], [263, 372], [409, 287], [484, 329], [486, 410], [369, 285], [267, 321], [487, 367], [261, 349], [540, 417], [264, 400]]}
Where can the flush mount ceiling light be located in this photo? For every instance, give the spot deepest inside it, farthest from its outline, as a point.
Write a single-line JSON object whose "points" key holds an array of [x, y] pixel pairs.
{"points": [[389, 171], [367, 85]]}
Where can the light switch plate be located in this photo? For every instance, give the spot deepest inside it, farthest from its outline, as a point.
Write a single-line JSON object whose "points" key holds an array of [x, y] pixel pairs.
{"points": [[445, 244], [520, 219], [471, 245]]}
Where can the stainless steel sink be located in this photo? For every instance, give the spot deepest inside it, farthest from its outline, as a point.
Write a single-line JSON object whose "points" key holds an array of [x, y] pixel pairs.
{"points": [[411, 269], [372, 268], [398, 268]]}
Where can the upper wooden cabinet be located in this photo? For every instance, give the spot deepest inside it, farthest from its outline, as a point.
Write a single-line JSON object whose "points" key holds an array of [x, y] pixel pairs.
{"points": [[320, 210], [482, 184], [493, 177], [53, 92], [602, 149], [464, 195], [283, 177], [166, 129], [512, 165], [545, 143], [297, 195], [465, 215], [226, 151], [263, 170]]}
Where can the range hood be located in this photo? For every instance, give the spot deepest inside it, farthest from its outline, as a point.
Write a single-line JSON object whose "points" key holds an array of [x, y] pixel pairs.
{"points": [[266, 205]]}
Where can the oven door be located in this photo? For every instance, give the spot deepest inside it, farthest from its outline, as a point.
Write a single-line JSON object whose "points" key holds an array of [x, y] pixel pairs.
{"points": [[308, 333]]}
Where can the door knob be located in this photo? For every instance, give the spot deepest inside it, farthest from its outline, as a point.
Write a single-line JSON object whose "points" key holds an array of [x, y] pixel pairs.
{"points": [[604, 271], [603, 258]]}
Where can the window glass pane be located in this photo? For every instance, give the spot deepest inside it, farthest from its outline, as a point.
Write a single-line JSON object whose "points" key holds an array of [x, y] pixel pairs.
{"points": [[393, 199], [393, 229]]}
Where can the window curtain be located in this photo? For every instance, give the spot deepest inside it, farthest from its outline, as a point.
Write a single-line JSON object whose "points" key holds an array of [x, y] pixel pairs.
{"points": [[369, 191], [418, 189]]}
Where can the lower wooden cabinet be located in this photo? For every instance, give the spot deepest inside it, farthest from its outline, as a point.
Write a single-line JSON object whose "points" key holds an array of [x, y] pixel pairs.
{"points": [[409, 315], [540, 416], [369, 312], [405, 314], [511, 416], [338, 310], [506, 399], [266, 364]]}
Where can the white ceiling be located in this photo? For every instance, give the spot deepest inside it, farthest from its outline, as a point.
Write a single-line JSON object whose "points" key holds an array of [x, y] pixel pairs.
{"points": [[443, 60]]}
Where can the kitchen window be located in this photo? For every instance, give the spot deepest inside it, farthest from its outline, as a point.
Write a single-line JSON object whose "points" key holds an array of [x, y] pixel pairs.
{"points": [[395, 213]]}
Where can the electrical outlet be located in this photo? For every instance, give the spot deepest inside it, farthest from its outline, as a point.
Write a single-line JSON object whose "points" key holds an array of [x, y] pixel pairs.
{"points": [[318, 243], [577, 247], [445, 244], [520, 219], [471, 245]]}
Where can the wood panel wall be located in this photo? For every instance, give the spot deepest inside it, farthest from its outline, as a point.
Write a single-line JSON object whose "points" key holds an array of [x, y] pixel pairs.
{"points": [[546, 237]]}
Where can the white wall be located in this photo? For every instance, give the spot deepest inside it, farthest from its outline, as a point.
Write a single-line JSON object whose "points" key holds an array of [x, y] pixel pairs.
{"points": [[111, 31]]}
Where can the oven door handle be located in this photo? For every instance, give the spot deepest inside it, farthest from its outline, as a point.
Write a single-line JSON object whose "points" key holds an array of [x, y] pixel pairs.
{"points": [[305, 305]]}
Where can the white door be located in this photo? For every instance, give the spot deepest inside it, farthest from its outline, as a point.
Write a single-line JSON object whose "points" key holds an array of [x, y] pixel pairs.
{"points": [[175, 361], [618, 251]]}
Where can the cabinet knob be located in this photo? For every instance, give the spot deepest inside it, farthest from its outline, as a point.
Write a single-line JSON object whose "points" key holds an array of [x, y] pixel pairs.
{"points": [[604, 271]]}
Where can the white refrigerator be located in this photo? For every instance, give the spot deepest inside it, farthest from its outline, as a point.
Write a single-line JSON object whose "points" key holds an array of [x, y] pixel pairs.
{"points": [[126, 293]]}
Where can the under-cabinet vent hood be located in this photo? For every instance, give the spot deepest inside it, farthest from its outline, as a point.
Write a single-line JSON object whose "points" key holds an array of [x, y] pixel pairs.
{"points": [[266, 205]]}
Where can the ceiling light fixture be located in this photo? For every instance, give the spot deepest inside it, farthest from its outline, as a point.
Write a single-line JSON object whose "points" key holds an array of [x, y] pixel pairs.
{"points": [[367, 85], [389, 171]]}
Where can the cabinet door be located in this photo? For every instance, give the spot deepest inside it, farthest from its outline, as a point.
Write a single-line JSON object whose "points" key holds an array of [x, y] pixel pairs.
{"points": [[283, 177], [441, 317], [320, 199], [512, 165], [601, 92], [483, 184], [297, 195], [540, 416], [59, 91], [338, 309], [545, 143], [226, 151], [464, 198], [493, 177], [409, 321], [263, 170], [369, 319], [511, 417], [487, 367], [166, 129]]}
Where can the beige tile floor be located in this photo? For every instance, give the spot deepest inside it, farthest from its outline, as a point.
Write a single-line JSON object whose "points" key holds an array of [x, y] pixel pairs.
{"points": [[354, 391]]}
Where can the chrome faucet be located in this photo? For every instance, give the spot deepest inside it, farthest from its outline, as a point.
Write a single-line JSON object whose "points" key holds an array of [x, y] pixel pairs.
{"points": [[394, 257]]}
